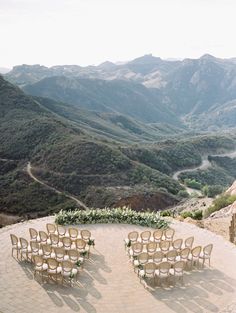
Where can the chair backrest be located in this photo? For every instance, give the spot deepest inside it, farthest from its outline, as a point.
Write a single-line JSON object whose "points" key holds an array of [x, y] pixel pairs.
{"points": [[143, 258], [34, 246], [66, 242], [73, 255], [33, 233], [51, 228], [171, 255], [150, 268], [151, 247], [23, 243], [169, 234], [47, 249], [145, 235], [208, 249], [43, 236], [67, 266], [177, 244], [38, 260], [133, 236], [52, 263], [165, 245], [178, 267], [164, 267], [158, 257], [85, 234], [137, 247], [60, 252], [188, 243], [184, 253], [157, 234], [196, 251], [14, 240], [80, 244], [73, 232], [54, 239], [61, 230]]}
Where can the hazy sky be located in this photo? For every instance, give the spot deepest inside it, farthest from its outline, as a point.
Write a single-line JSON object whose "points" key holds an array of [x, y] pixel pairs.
{"points": [[86, 32]]}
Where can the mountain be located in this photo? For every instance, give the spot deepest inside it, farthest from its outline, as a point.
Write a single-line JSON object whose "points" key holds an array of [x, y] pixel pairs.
{"points": [[117, 96], [193, 93], [74, 154], [197, 86]]}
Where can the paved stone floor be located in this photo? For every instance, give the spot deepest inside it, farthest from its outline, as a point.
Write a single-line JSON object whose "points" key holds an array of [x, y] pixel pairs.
{"points": [[108, 283]]}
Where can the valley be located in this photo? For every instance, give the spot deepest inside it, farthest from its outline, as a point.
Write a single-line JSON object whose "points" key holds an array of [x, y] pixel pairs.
{"points": [[101, 137]]}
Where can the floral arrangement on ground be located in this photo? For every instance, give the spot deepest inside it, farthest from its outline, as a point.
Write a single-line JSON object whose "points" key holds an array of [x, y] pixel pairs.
{"points": [[122, 215]]}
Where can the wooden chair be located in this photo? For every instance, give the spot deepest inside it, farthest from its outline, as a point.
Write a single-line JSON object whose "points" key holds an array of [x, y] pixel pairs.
{"points": [[135, 249], [68, 272], [141, 260], [132, 238], [73, 233], [177, 244], [15, 245], [55, 242], [61, 231], [48, 252], [178, 271], [40, 267], [43, 238], [24, 249], [157, 235], [195, 255], [169, 234], [158, 257], [34, 236], [35, 249], [60, 254], [188, 243], [148, 272], [163, 271], [206, 254], [53, 269], [151, 248], [80, 245], [165, 246], [67, 243], [145, 236], [171, 256], [51, 228]]}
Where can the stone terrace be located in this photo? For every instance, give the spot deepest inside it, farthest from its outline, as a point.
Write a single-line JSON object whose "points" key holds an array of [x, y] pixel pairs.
{"points": [[108, 282]]}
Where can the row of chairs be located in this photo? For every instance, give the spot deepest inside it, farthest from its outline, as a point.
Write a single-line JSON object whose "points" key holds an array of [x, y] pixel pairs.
{"points": [[23, 247], [163, 246], [58, 231], [52, 269], [187, 255], [147, 236], [162, 271]]}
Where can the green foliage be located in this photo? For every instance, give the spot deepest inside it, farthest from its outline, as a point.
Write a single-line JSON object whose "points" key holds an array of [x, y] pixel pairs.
{"points": [[116, 215], [196, 215], [192, 183], [212, 191], [183, 194], [219, 203], [165, 213]]}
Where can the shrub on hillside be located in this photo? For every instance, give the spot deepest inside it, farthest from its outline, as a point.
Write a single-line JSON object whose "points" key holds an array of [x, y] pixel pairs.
{"points": [[212, 191], [116, 215], [192, 183], [196, 215], [183, 194], [220, 203]]}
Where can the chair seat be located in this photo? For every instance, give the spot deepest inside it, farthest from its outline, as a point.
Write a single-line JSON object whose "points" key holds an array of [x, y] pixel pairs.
{"points": [[161, 274], [172, 272], [67, 274], [204, 256], [44, 267], [27, 249], [54, 271]]}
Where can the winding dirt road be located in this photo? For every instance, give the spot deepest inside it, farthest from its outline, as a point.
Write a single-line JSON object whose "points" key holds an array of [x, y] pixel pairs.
{"points": [[29, 171]]}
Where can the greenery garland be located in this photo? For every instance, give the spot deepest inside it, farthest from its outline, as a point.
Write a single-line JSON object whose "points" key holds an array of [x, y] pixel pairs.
{"points": [[122, 215]]}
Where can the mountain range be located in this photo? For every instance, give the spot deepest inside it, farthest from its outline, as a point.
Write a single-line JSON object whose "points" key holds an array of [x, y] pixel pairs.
{"points": [[193, 93], [110, 133]]}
